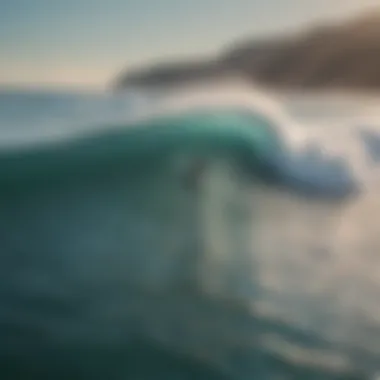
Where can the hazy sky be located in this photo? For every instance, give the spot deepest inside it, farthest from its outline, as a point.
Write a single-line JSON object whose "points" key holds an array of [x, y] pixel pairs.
{"points": [[86, 42]]}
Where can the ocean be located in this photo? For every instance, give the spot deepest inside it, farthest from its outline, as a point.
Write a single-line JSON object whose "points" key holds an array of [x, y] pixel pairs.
{"points": [[211, 233]]}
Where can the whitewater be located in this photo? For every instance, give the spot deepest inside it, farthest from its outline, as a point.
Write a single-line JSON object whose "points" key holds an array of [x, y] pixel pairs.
{"points": [[208, 232]]}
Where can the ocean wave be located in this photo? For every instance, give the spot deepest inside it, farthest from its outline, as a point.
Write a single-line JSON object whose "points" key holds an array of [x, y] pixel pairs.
{"points": [[187, 221], [110, 127]]}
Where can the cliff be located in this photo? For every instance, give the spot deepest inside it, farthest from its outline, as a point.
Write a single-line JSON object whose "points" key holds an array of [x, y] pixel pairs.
{"points": [[344, 55]]}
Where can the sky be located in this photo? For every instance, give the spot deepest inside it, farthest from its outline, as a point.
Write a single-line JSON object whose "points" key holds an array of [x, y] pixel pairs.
{"points": [[88, 42]]}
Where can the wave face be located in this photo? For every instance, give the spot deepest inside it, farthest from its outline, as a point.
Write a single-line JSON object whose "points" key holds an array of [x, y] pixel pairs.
{"points": [[201, 233]]}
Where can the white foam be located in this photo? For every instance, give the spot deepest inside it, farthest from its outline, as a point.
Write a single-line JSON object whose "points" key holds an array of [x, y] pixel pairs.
{"points": [[323, 149]]}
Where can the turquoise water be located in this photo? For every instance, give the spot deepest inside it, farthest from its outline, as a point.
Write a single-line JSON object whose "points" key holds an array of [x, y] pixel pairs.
{"points": [[195, 243]]}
